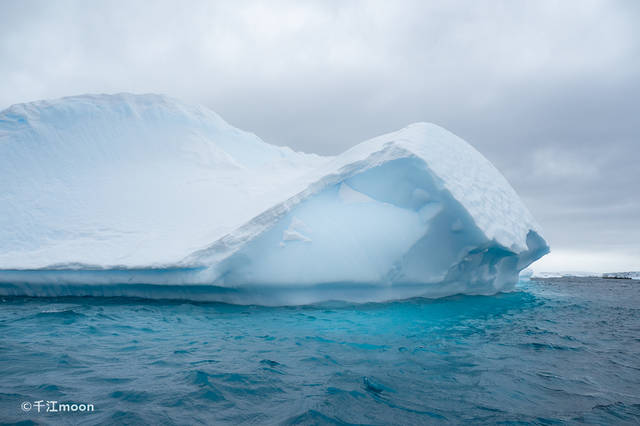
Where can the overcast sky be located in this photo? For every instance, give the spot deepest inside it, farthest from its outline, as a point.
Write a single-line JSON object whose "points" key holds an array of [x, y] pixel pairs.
{"points": [[548, 91]]}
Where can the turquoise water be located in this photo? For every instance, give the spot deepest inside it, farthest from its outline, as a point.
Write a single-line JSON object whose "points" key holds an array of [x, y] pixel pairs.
{"points": [[565, 350]]}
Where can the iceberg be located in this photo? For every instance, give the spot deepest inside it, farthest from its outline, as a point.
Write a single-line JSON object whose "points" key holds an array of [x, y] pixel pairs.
{"points": [[146, 196]]}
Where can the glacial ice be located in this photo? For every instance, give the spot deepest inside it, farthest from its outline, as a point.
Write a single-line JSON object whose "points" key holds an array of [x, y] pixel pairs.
{"points": [[143, 195]]}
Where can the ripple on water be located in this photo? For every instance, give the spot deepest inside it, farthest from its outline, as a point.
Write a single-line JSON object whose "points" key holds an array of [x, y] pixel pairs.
{"points": [[556, 351]]}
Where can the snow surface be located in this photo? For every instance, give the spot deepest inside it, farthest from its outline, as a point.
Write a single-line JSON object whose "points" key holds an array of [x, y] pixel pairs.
{"points": [[110, 194]]}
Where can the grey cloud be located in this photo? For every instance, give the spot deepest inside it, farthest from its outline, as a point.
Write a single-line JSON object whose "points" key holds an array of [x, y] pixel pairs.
{"points": [[548, 91]]}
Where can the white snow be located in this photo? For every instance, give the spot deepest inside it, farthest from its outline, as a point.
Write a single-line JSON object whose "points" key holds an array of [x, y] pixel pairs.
{"points": [[350, 195], [294, 231], [143, 189], [129, 181]]}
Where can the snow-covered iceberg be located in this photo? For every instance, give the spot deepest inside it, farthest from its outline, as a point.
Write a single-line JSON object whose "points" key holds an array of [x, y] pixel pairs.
{"points": [[143, 195]]}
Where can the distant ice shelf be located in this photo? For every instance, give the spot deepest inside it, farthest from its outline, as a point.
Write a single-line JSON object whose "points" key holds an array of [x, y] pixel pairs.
{"points": [[143, 195]]}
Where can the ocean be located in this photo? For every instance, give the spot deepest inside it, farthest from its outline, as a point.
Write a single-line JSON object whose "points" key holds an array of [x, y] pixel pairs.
{"points": [[563, 350]]}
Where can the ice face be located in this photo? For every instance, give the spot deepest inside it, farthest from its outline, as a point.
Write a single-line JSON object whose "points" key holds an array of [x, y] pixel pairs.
{"points": [[104, 190]]}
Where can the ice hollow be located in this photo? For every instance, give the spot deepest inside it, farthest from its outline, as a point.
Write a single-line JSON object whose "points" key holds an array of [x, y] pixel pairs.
{"points": [[144, 195]]}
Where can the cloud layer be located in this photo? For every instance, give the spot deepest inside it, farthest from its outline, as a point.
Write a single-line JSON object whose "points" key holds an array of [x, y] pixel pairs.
{"points": [[548, 91]]}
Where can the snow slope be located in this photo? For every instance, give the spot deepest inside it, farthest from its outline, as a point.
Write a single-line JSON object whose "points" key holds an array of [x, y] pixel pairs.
{"points": [[128, 180], [144, 195]]}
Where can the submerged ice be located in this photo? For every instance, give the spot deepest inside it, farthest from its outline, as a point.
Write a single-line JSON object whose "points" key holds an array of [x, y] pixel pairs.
{"points": [[143, 195]]}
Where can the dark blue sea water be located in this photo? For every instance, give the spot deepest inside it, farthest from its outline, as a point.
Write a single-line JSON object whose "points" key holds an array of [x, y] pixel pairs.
{"points": [[564, 350]]}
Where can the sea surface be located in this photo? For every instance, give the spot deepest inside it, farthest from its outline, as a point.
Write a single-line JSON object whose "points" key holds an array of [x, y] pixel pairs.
{"points": [[554, 351]]}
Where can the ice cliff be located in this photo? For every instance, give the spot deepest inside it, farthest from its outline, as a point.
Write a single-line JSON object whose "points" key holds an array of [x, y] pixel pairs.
{"points": [[143, 195]]}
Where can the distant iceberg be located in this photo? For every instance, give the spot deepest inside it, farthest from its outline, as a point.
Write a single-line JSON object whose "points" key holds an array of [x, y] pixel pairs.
{"points": [[143, 195], [631, 275]]}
